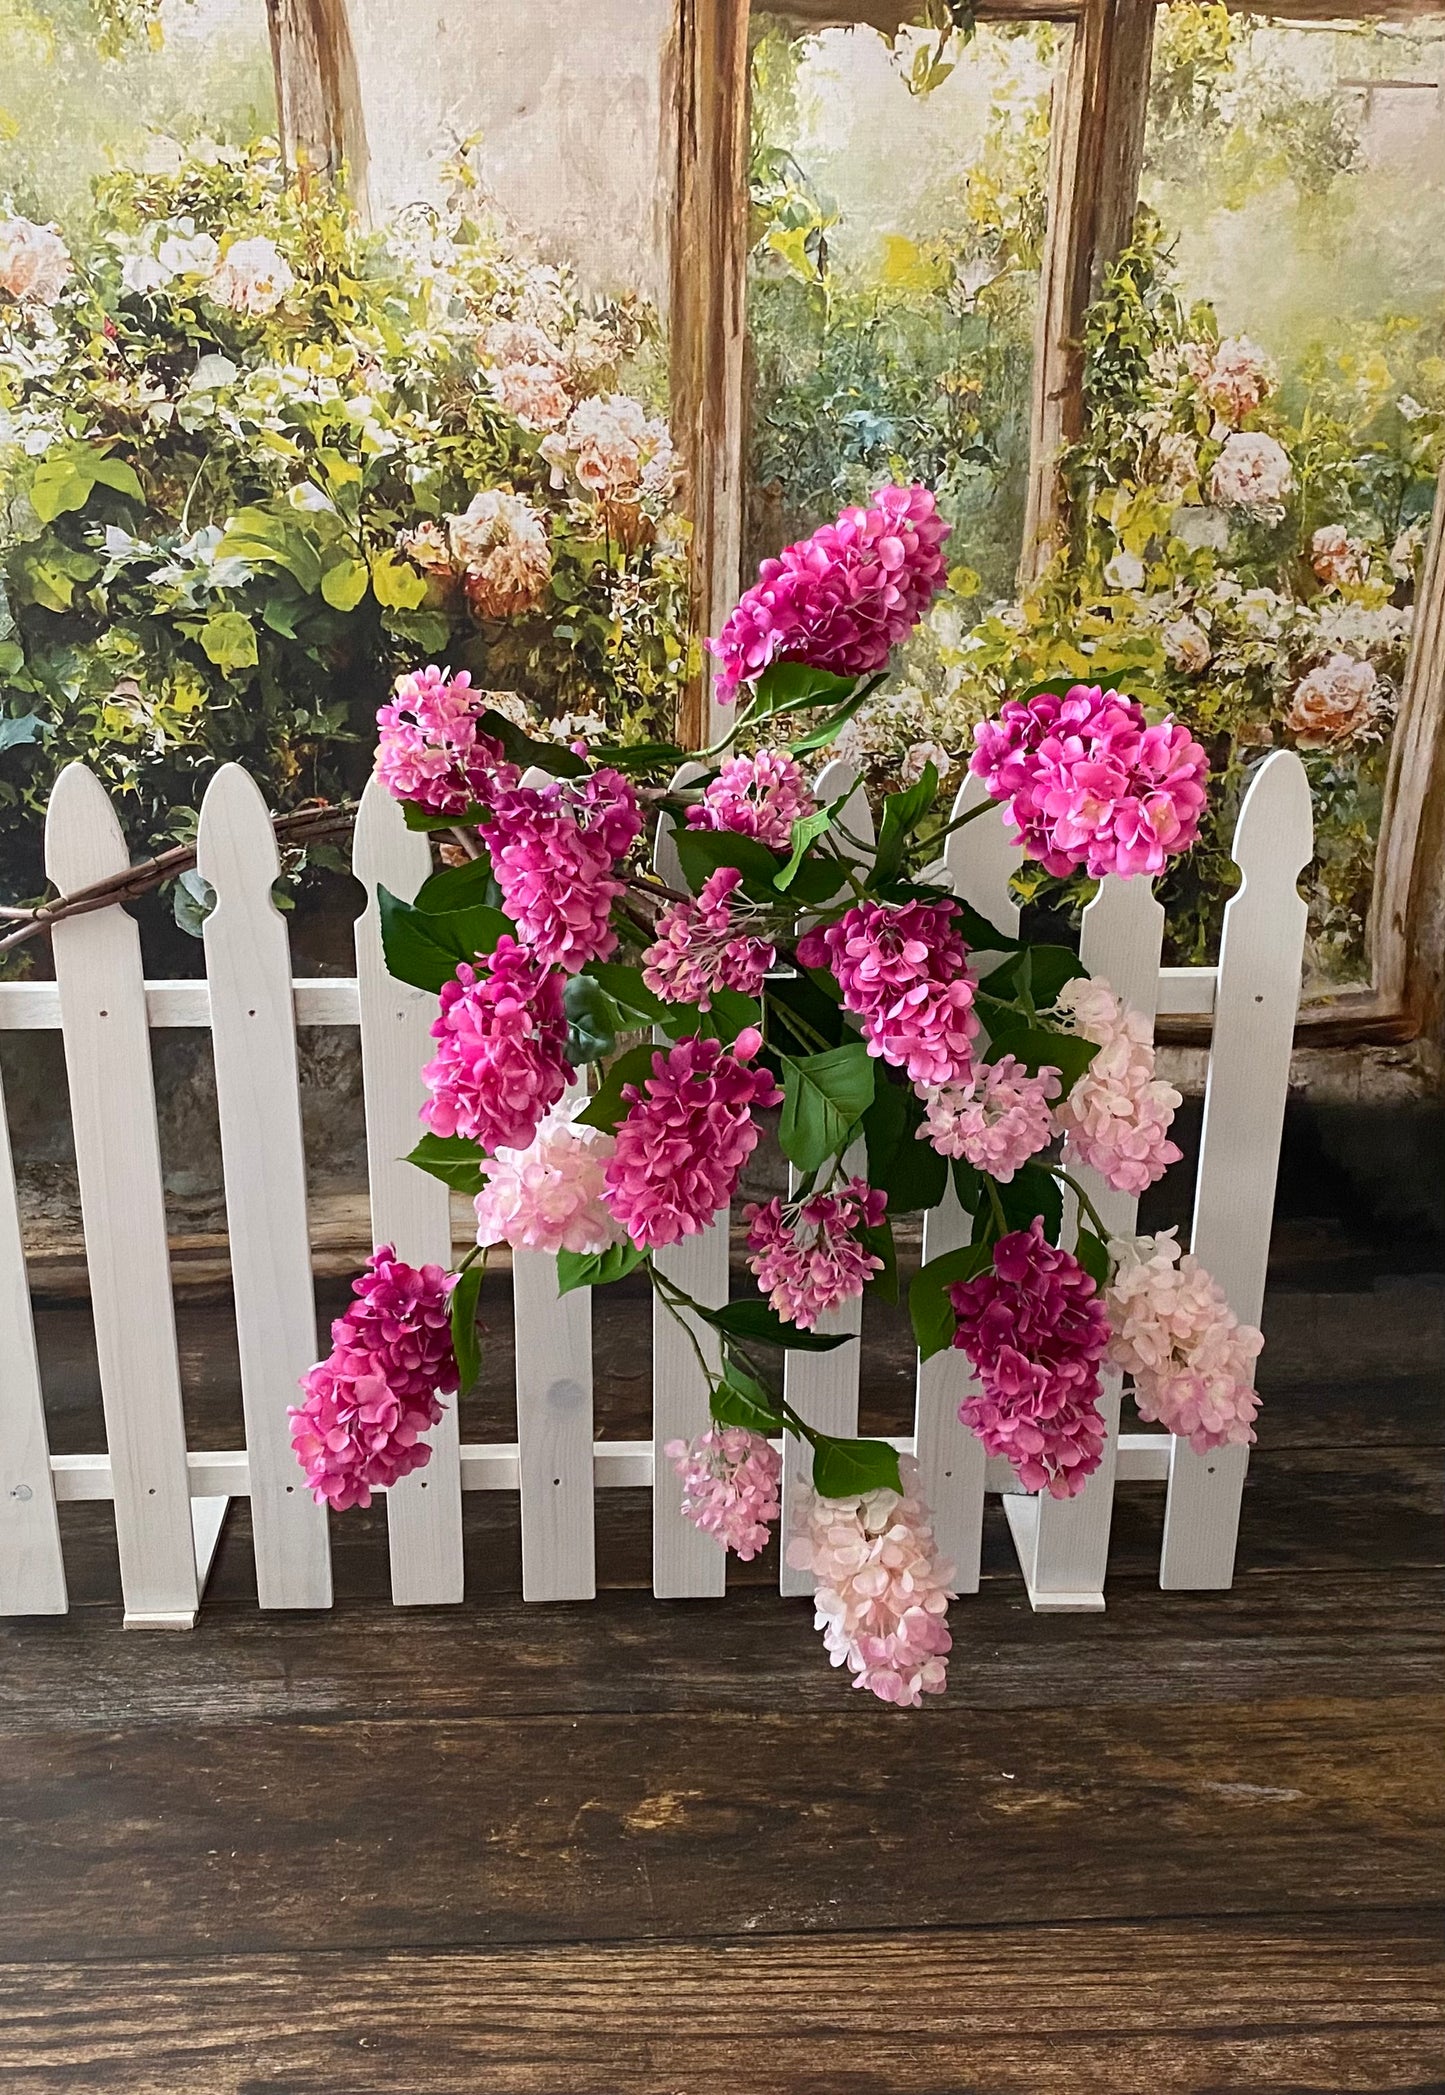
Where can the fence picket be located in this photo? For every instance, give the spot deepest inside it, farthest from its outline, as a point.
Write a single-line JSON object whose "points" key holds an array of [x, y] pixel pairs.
{"points": [[1260, 955], [253, 1034], [554, 1432], [686, 1564], [117, 1152], [32, 1570], [408, 1208]]}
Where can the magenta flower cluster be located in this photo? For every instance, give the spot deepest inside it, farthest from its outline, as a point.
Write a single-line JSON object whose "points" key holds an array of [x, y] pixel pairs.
{"points": [[500, 1063], [731, 1480], [902, 969], [430, 749], [808, 1256], [842, 599], [1034, 1331], [701, 947], [554, 851], [758, 796], [368, 1403], [1088, 782], [687, 1134]]}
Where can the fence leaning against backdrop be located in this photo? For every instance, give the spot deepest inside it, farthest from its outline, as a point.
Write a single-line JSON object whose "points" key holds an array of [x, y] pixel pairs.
{"points": [[169, 1502]]}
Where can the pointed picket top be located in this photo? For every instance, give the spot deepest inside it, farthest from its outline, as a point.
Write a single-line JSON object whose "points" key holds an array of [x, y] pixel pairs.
{"points": [[383, 850], [981, 859], [83, 837], [1274, 835], [236, 850], [1121, 935]]}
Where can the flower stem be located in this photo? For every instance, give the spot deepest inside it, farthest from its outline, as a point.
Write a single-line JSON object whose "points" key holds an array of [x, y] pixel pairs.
{"points": [[1101, 1228]]}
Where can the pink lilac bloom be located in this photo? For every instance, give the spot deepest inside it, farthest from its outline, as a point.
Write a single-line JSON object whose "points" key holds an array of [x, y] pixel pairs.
{"points": [[554, 851], [430, 750], [1117, 1117], [807, 1255], [759, 796], [501, 1050], [369, 1402], [548, 1196], [1087, 781], [701, 947], [881, 1590], [1034, 1331], [730, 1486], [842, 599], [1191, 1359], [687, 1134], [998, 1122], [903, 972]]}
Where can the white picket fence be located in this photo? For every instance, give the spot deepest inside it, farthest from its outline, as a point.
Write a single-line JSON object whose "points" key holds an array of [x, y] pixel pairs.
{"points": [[169, 1502]]}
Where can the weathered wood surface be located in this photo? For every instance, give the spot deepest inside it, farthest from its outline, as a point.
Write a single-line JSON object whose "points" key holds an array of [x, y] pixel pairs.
{"points": [[1346, 2003]]}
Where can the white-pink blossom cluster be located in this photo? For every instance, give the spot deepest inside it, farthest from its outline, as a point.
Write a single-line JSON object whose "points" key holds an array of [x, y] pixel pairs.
{"points": [[611, 451], [528, 373], [35, 262], [1117, 1116], [252, 277], [500, 543], [998, 1121], [1173, 1331], [755, 796], [702, 947], [1233, 376], [881, 1590], [808, 1256], [1335, 702], [548, 1196], [731, 1480], [1252, 471]]}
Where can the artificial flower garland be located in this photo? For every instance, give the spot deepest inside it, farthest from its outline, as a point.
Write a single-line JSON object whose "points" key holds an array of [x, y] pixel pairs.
{"points": [[548, 937]]}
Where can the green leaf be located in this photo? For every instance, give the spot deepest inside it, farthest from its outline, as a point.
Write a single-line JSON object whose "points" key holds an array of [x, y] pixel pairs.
{"points": [[524, 749], [62, 482], [1011, 1032], [453, 1159], [967, 1184], [423, 819], [756, 1322], [192, 902], [824, 1097], [845, 1469], [814, 997], [805, 832], [115, 473], [345, 582], [902, 813], [727, 1015], [466, 1343], [1050, 967], [580, 1269], [1033, 1192], [17, 729], [1093, 1256], [424, 949], [630, 993], [934, 1322], [228, 639], [458, 887], [741, 1400], [608, 1107], [794, 687], [396, 584], [592, 1020], [910, 1171], [978, 933], [831, 724], [638, 756], [701, 851]]}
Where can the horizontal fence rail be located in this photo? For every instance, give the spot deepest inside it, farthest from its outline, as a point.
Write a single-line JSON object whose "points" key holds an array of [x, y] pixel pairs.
{"points": [[170, 1501]]}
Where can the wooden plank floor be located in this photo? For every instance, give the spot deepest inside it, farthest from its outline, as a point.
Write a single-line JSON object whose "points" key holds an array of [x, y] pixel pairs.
{"points": [[1196, 1843]]}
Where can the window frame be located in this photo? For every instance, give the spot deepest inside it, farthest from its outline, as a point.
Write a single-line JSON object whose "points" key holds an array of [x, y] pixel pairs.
{"points": [[1096, 156]]}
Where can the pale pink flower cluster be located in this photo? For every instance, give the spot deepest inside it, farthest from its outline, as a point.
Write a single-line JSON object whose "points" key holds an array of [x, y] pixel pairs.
{"points": [[554, 851], [808, 1256], [252, 277], [430, 749], [759, 796], [687, 1134], [1117, 1117], [501, 1061], [548, 1196], [35, 262], [903, 972], [500, 544], [527, 373], [1191, 1359], [1337, 558], [998, 1122], [616, 454], [1234, 378], [1187, 645], [1336, 702], [368, 1403], [701, 947], [881, 1590], [1088, 782], [1252, 471], [842, 599], [731, 1480], [1034, 1331]]}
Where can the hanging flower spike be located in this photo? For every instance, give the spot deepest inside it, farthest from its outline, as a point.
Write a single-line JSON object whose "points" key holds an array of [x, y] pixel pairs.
{"points": [[842, 599], [701, 948], [686, 1137], [1034, 1331], [1117, 1117], [369, 1402], [731, 1479], [996, 1123], [501, 1054], [554, 850], [430, 750], [903, 972], [1087, 782], [881, 1589], [806, 1255], [548, 1196], [1191, 1359], [759, 796]]}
